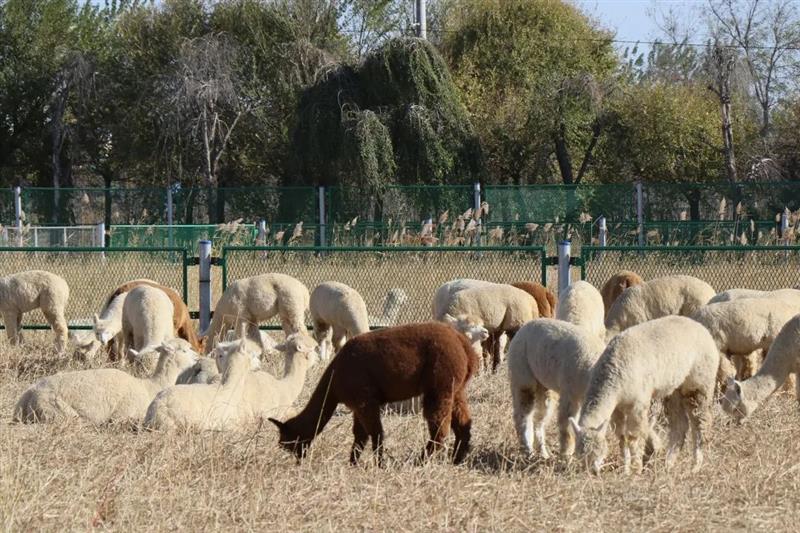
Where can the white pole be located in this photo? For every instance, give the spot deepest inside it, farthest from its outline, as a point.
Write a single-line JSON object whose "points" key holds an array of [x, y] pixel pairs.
{"points": [[640, 211], [204, 253], [321, 227], [564, 279], [421, 22], [18, 213], [785, 226], [170, 234], [35, 237], [64, 231], [261, 236], [602, 231]]}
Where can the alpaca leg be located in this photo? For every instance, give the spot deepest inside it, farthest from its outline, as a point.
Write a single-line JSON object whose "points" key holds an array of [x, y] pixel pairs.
{"points": [[437, 411], [751, 363], [486, 354], [698, 409], [678, 425], [10, 320], [566, 409], [637, 425], [369, 417], [360, 438], [542, 408], [338, 339], [59, 325], [522, 399], [461, 423]]}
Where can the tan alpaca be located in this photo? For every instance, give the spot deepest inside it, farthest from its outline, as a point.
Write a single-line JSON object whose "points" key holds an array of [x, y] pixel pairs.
{"points": [[34, 289]]}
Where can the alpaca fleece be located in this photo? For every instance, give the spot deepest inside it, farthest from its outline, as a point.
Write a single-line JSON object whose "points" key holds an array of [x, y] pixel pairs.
{"points": [[616, 285], [340, 308], [391, 365], [181, 320], [581, 304], [249, 301], [669, 295], [102, 395], [671, 358], [742, 398], [34, 289], [549, 355], [545, 299], [146, 322]]}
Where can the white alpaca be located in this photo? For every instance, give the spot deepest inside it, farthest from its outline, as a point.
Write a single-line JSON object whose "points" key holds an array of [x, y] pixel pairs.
{"points": [[445, 292], [670, 295], [338, 308], [789, 295], [671, 358], [34, 289], [241, 398], [742, 398], [103, 395], [743, 328], [250, 301], [581, 304], [549, 355], [500, 308], [146, 323], [394, 302]]}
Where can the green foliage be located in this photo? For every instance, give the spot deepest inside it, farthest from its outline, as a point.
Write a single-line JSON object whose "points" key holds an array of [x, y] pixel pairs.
{"points": [[396, 118]]}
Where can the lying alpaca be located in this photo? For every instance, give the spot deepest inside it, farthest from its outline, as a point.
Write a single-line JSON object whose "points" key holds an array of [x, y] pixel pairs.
{"points": [[390, 365], [242, 397]]}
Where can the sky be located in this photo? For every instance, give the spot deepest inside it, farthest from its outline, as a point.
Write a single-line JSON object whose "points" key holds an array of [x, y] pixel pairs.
{"points": [[630, 18]]}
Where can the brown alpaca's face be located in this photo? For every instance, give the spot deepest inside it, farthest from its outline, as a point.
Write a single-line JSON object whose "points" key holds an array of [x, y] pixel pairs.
{"points": [[290, 441]]}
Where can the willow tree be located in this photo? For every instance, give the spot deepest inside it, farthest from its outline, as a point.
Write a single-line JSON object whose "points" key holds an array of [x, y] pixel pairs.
{"points": [[396, 118]]}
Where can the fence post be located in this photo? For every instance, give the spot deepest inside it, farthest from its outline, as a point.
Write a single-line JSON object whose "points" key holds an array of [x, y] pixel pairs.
{"points": [[640, 211], [564, 250], [321, 228], [261, 235], [170, 233], [476, 205], [35, 237], [100, 234], [204, 255], [602, 231], [18, 213], [785, 226]]}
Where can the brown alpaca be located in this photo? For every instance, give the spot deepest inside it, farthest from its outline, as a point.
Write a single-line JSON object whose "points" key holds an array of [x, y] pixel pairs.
{"points": [[545, 299], [391, 365], [616, 284], [180, 317]]}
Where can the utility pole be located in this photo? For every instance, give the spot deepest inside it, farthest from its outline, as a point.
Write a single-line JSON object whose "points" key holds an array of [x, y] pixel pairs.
{"points": [[421, 19]]}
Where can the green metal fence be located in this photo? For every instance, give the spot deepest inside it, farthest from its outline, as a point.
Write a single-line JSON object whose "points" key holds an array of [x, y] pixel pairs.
{"points": [[417, 271], [93, 273], [724, 267], [185, 236]]}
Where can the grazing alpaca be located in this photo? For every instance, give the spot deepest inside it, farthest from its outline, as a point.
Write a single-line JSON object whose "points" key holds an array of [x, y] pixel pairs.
{"points": [[616, 285], [390, 365], [337, 309], [34, 289], [392, 305]]}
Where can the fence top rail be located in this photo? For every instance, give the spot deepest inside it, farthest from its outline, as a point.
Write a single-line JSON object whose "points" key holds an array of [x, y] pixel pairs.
{"points": [[93, 249], [652, 249], [382, 249]]}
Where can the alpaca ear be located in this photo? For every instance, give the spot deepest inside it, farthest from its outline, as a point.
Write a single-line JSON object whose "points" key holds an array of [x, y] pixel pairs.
{"points": [[134, 353], [450, 319], [575, 426], [96, 319], [735, 388], [280, 425]]}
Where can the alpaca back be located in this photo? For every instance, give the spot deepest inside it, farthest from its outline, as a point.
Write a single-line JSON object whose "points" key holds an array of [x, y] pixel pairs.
{"points": [[616, 285], [147, 317], [545, 300], [339, 305], [29, 290], [747, 324], [499, 306]]}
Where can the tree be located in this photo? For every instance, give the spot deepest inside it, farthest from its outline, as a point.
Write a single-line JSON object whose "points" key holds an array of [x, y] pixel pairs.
{"points": [[534, 76]]}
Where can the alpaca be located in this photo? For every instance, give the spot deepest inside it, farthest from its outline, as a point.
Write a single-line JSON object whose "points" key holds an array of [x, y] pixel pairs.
{"points": [[146, 323], [390, 365], [340, 308], [616, 285], [394, 302], [545, 299], [34, 289]]}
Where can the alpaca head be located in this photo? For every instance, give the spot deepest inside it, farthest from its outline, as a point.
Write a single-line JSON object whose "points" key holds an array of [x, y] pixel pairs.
{"points": [[470, 326], [304, 345], [395, 300], [591, 444], [177, 353], [290, 440], [734, 401], [223, 352], [104, 330]]}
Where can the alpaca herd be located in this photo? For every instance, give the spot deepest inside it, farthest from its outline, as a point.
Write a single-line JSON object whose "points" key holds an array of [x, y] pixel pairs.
{"points": [[606, 358]]}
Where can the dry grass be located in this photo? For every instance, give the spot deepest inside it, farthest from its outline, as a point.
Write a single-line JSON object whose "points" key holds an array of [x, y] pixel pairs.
{"points": [[68, 477]]}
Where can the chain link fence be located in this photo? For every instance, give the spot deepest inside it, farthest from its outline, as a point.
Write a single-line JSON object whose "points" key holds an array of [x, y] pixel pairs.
{"points": [[93, 273], [374, 273], [763, 268]]}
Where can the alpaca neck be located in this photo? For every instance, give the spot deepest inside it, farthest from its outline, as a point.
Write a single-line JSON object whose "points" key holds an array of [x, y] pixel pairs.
{"points": [[294, 374], [319, 410], [113, 311], [166, 372], [780, 361], [600, 403], [391, 309]]}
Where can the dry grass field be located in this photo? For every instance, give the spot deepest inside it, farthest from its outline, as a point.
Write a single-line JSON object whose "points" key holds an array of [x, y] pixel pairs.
{"points": [[73, 477]]}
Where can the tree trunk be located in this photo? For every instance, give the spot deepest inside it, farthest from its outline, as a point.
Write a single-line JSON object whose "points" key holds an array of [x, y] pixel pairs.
{"points": [[58, 104], [727, 139], [588, 155], [562, 155]]}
